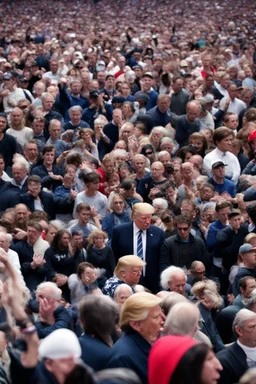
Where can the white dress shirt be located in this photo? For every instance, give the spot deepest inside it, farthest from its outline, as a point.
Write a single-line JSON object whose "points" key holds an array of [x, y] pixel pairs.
{"points": [[232, 168]]}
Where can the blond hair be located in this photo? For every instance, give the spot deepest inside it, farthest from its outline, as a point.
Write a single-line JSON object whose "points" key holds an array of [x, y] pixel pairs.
{"points": [[128, 261], [136, 308], [96, 232], [143, 208], [207, 289]]}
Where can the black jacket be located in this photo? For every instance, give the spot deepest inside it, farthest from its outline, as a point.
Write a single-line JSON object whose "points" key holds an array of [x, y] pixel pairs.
{"points": [[228, 243], [233, 361], [175, 252]]}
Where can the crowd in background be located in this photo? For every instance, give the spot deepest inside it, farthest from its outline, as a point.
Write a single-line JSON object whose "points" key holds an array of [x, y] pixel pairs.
{"points": [[127, 192]]}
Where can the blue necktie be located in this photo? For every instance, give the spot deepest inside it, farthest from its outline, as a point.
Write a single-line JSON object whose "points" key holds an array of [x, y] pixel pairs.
{"points": [[140, 246]]}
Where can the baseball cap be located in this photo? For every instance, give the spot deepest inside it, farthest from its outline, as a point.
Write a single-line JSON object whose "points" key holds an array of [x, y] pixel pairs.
{"points": [[118, 99], [100, 66], [7, 76], [148, 74], [246, 248], [218, 163], [207, 99]]}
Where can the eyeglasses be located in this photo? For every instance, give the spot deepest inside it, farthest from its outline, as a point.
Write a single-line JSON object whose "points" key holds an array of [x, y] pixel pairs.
{"points": [[182, 229], [148, 153]]}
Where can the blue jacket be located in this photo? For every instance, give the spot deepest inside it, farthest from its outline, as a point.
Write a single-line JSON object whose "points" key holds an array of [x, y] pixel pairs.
{"points": [[131, 351], [228, 186], [109, 222], [62, 320], [233, 361], [95, 353], [214, 228]]}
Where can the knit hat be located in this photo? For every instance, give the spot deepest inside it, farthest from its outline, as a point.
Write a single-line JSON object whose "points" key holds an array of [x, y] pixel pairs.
{"points": [[60, 344], [165, 355]]}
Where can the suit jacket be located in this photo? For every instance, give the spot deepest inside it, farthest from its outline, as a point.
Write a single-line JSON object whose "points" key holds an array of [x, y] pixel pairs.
{"points": [[99, 354], [131, 351], [233, 361], [122, 244]]}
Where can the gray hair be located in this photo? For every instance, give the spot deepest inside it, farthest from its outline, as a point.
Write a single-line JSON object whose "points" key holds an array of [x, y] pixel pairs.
{"points": [[252, 300], [167, 275], [21, 160], [55, 291], [160, 201], [158, 129], [120, 287], [166, 140], [163, 153], [46, 94], [242, 316], [182, 319], [120, 152], [207, 206], [75, 108]]}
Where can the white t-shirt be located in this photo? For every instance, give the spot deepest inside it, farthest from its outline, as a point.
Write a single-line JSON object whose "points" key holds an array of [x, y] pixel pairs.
{"points": [[22, 136]]}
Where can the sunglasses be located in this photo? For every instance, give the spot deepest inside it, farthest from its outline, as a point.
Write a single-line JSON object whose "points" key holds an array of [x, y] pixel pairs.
{"points": [[182, 229], [148, 153]]}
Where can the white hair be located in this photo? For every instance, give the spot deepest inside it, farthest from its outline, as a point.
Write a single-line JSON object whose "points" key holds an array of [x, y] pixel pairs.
{"points": [[167, 275], [251, 300], [159, 129], [55, 291], [182, 319], [120, 287], [120, 152], [19, 159], [160, 201], [163, 153], [166, 140], [242, 316]]}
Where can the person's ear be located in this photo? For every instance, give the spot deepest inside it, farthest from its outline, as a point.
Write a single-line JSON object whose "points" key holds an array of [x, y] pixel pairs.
{"points": [[136, 325], [48, 364], [238, 331]]}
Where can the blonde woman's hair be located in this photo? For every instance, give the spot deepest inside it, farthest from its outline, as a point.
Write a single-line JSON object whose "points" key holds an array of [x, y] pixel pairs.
{"points": [[136, 308], [96, 232], [128, 261], [207, 289]]}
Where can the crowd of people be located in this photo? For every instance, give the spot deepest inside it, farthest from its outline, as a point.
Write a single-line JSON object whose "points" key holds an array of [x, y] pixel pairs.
{"points": [[127, 192]]}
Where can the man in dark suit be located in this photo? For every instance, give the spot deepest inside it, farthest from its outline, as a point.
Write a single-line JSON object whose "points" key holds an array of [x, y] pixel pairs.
{"points": [[240, 356], [18, 182], [141, 239]]}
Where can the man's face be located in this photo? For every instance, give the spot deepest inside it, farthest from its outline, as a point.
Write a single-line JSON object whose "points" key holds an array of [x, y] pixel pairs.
{"points": [[38, 127], [199, 272], [84, 216], [187, 171], [110, 82], [219, 171], [139, 164], [16, 116], [18, 173], [31, 151], [223, 215], [193, 113], [235, 222], [206, 193], [2, 165], [150, 328], [178, 85], [183, 230], [75, 117], [247, 333], [32, 235], [225, 144], [209, 82], [165, 159], [232, 91], [76, 87], [34, 188], [49, 158], [78, 241], [54, 66], [178, 284], [147, 83], [117, 116], [250, 258], [206, 61], [21, 214], [47, 103], [167, 147], [142, 220], [125, 89], [157, 170], [109, 166], [123, 295], [55, 131], [163, 105], [3, 124], [250, 286], [131, 275]]}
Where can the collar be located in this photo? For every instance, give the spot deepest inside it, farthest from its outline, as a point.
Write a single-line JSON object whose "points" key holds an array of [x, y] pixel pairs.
{"points": [[136, 229]]}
